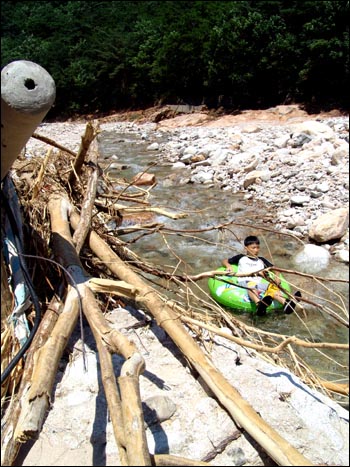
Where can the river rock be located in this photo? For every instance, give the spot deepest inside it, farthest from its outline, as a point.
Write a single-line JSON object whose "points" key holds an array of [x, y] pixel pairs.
{"points": [[153, 147], [330, 226], [313, 129], [143, 178], [312, 259], [255, 175], [341, 254], [158, 409]]}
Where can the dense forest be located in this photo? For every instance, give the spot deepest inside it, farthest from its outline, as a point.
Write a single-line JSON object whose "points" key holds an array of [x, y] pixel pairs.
{"points": [[114, 55]]}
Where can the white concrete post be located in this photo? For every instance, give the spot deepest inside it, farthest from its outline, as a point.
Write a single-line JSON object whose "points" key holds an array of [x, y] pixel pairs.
{"points": [[27, 94]]}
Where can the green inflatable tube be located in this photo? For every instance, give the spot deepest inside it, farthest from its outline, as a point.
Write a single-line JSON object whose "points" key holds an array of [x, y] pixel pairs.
{"points": [[223, 289]]}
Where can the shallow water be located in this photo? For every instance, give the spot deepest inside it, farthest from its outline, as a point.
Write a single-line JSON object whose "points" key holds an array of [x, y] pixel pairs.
{"points": [[193, 253]]}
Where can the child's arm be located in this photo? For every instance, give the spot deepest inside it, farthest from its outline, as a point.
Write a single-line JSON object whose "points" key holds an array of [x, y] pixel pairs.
{"points": [[228, 262]]}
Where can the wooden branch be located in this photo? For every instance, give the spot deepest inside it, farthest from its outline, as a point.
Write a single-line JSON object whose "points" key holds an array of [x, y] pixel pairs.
{"points": [[113, 399], [89, 199], [244, 415], [36, 185], [121, 288], [264, 348], [152, 227], [86, 140], [35, 401], [53, 143], [340, 388], [222, 446], [136, 209], [215, 272], [109, 340], [304, 274], [135, 435]]}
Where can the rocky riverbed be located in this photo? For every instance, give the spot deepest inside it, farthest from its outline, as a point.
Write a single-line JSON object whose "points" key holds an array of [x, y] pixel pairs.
{"points": [[298, 166], [294, 165]]}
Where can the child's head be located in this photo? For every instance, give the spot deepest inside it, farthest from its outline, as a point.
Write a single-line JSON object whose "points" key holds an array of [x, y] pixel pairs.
{"points": [[252, 245], [250, 240]]}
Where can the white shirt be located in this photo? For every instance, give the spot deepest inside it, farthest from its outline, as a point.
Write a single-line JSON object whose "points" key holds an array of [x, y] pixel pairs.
{"points": [[249, 264]]}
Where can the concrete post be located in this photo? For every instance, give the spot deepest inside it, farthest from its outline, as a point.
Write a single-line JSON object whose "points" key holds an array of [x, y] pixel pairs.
{"points": [[27, 94]]}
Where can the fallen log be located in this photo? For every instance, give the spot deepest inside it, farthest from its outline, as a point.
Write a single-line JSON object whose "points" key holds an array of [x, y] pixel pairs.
{"points": [[9, 445], [36, 400]]}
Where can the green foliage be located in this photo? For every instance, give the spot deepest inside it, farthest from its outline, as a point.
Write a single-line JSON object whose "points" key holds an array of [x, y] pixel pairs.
{"points": [[109, 55]]}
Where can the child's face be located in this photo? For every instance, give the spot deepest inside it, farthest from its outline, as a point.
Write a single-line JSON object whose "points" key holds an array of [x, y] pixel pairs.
{"points": [[253, 249]]}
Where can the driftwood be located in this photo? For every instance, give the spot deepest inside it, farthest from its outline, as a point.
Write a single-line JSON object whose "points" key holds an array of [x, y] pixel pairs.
{"points": [[88, 137], [37, 183], [35, 401], [53, 143], [131, 440], [90, 194], [169, 460], [10, 446], [243, 414], [264, 348], [133, 210]]}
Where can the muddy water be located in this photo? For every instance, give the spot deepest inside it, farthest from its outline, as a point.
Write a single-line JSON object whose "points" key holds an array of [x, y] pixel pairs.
{"points": [[196, 252]]}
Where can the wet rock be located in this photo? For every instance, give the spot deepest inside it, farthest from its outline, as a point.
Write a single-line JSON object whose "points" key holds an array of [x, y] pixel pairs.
{"points": [[144, 179], [312, 259]]}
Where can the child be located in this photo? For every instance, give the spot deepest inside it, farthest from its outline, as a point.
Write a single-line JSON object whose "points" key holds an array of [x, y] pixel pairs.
{"points": [[251, 262]]}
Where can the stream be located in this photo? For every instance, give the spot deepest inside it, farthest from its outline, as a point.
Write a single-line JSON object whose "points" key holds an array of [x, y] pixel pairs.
{"points": [[207, 206]]}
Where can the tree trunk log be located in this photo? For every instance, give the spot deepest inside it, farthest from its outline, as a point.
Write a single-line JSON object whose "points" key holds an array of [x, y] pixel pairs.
{"points": [[9, 445], [36, 399]]}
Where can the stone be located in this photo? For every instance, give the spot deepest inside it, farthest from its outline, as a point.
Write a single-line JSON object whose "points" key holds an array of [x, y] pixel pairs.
{"points": [[158, 409], [312, 259], [153, 147], [144, 179], [330, 226], [299, 200]]}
